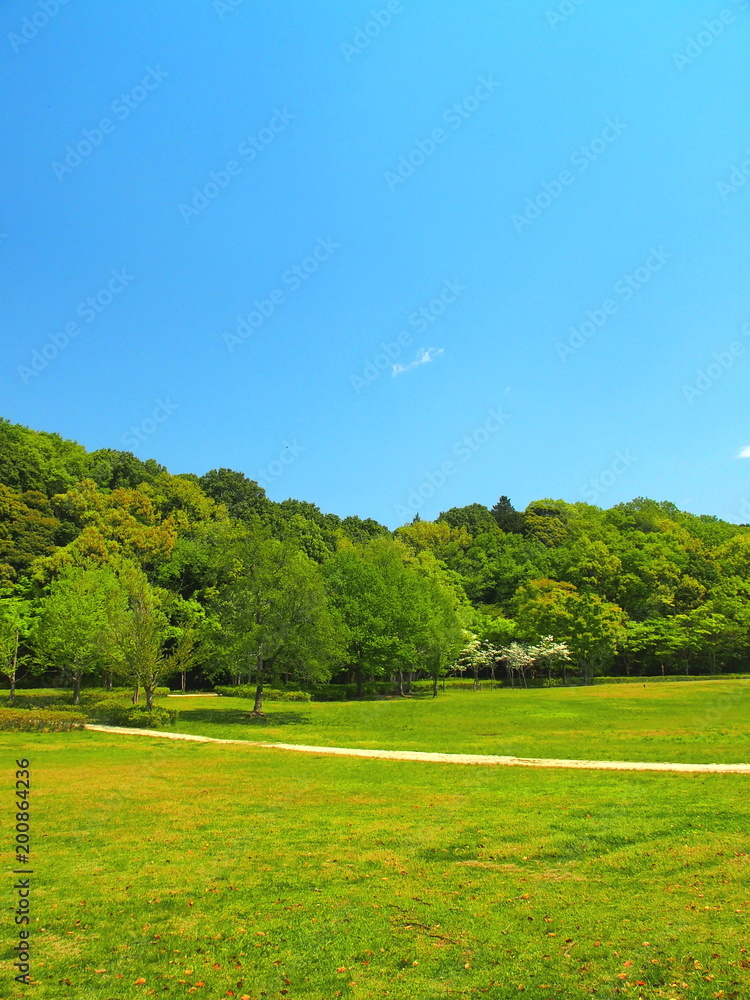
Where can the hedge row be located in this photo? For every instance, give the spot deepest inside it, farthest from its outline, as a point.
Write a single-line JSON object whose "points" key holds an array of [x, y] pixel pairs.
{"points": [[269, 694], [20, 720], [61, 699]]}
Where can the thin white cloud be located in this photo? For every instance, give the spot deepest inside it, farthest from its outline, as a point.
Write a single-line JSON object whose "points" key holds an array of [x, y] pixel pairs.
{"points": [[744, 452], [422, 358]]}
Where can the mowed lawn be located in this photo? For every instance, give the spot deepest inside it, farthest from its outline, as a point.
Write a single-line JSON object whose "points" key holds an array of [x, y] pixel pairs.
{"points": [[697, 721], [172, 869]]}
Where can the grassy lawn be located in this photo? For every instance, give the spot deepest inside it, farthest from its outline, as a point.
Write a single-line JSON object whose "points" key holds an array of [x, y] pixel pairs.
{"points": [[173, 869], [701, 722]]}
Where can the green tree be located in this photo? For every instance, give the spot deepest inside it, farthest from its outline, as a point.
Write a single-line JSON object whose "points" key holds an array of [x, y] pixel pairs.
{"points": [[272, 616], [72, 632], [15, 625]]}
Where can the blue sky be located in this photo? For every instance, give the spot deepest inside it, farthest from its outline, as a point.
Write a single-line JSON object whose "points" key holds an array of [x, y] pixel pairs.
{"points": [[215, 214]]}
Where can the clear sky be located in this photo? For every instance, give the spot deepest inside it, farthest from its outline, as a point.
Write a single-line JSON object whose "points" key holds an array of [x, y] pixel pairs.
{"points": [[214, 214]]}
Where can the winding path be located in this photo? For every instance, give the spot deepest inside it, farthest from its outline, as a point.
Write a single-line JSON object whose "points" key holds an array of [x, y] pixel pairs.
{"points": [[447, 758]]}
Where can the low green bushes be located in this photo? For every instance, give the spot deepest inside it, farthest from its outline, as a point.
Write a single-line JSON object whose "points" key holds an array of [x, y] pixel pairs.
{"points": [[114, 713], [269, 694], [22, 720]]}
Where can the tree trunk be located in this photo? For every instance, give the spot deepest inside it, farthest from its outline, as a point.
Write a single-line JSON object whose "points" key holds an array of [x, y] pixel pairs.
{"points": [[549, 675], [565, 676], [12, 699], [401, 682], [435, 685], [77, 687], [136, 693], [149, 697], [408, 682], [360, 683], [183, 677], [258, 707]]}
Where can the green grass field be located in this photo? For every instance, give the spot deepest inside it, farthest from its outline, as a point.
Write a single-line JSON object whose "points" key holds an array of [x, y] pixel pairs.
{"points": [[701, 722], [173, 869]]}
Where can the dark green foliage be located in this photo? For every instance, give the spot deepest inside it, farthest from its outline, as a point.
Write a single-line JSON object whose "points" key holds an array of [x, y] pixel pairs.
{"points": [[113, 470], [243, 497], [507, 517], [475, 518]]}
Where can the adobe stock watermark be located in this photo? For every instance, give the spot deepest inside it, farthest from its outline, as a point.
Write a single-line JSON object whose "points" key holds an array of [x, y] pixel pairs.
{"points": [[738, 178], [455, 116], [372, 29], [581, 158], [463, 450], [563, 12], [624, 290], [35, 22], [122, 107], [593, 489], [224, 7], [249, 149], [718, 706], [136, 435], [697, 44], [291, 281], [88, 310], [720, 363], [286, 457], [421, 320]]}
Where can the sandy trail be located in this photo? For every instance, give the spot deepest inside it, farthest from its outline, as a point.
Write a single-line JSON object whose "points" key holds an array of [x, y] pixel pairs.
{"points": [[448, 758]]}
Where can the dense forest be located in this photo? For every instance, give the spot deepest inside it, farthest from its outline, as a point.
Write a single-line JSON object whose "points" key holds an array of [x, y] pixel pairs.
{"points": [[113, 570]]}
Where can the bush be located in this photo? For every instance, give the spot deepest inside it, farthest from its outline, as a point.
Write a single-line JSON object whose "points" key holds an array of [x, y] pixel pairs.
{"points": [[115, 713], [269, 694], [22, 720]]}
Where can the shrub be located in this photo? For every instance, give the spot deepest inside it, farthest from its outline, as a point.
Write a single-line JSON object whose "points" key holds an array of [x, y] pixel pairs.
{"points": [[21, 720], [269, 694], [115, 713]]}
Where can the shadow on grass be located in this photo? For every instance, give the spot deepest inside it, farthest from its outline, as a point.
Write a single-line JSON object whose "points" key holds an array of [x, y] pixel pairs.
{"points": [[241, 717]]}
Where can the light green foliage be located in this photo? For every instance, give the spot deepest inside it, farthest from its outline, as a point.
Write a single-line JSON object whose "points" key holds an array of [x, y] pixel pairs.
{"points": [[72, 632]]}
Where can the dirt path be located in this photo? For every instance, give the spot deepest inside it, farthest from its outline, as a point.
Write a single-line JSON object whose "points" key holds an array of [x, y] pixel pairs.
{"points": [[448, 758]]}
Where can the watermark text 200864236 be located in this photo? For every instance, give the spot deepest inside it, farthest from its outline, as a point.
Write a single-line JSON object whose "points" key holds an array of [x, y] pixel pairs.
{"points": [[22, 886]]}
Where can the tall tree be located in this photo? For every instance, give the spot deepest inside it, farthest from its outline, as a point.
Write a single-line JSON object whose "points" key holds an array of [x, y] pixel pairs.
{"points": [[273, 617]]}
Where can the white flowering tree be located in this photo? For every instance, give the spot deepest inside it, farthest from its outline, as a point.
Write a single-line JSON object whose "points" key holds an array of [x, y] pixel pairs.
{"points": [[550, 655], [518, 660]]}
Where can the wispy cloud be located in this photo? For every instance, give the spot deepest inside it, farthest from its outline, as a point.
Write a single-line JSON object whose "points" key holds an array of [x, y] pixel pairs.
{"points": [[422, 358], [744, 452]]}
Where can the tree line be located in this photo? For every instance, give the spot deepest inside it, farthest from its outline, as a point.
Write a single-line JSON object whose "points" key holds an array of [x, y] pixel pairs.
{"points": [[110, 567]]}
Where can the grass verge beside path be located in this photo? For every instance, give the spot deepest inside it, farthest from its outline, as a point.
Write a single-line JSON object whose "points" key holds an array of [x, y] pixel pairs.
{"points": [[701, 722], [176, 869]]}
